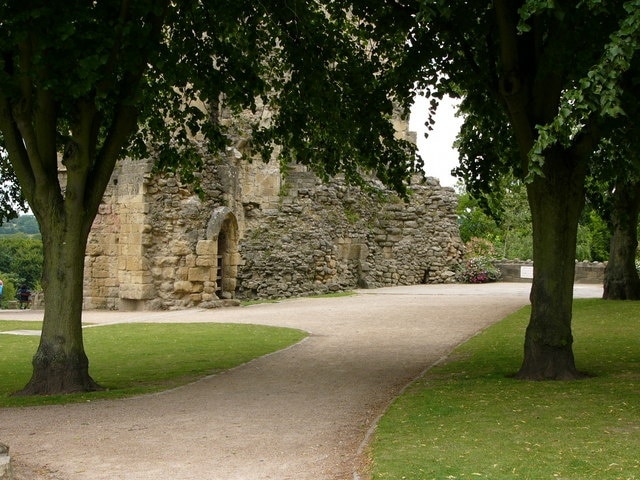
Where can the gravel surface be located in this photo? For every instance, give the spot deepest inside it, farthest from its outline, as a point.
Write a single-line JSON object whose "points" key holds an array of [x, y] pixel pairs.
{"points": [[303, 413]]}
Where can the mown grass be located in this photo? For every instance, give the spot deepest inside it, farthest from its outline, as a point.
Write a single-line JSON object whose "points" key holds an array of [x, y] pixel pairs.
{"points": [[466, 419], [133, 359]]}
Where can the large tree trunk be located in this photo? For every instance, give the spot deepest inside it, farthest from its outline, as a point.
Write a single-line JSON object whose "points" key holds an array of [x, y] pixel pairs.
{"points": [[621, 281], [65, 209], [94, 120], [60, 364], [556, 202]]}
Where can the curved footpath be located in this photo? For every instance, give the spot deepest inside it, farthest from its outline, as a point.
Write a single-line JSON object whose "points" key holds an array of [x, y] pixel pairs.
{"points": [[302, 413]]}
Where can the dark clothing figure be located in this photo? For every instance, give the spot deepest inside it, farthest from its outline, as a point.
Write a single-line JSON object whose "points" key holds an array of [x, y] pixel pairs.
{"points": [[24, 297]]}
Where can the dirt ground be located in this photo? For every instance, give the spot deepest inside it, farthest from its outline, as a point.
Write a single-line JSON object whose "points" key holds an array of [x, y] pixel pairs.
{"points": [[303, 413]]}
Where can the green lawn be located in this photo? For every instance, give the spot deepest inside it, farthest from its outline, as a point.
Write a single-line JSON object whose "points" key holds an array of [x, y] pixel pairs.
{"points": [[467, 420], [131, 359]]}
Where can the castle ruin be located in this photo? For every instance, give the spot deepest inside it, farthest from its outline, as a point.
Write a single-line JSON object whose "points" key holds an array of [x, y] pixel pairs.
{"points": [[258, 233]]}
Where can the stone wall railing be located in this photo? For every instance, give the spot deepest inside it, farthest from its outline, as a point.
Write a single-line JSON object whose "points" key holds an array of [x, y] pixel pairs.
{"points": [[586, 272]]}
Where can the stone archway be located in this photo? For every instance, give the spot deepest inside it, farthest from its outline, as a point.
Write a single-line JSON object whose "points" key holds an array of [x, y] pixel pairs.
{"points": [[222, 230]]}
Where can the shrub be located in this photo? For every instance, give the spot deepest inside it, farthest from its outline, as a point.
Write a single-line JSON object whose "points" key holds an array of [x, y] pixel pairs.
{"points": [[479, 267], [479, 248], [8, 290], [21, 256], [479, 270]]}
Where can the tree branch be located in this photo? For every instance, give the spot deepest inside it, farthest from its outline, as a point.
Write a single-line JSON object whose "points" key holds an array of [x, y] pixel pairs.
{"points": [[34, 116], [45, 119], [109, 77], [15, 147], [512, 85], [125, 118]]}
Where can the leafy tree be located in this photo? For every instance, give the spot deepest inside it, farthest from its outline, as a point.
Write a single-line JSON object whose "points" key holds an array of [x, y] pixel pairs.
{"points": [[501, 216], [21, 257], [616, 193], [594, 236], [515, 222], [8, 288], [621, 281], [535, 95], [505, 220], [473, 221], [614, 188], [82, 83], [26, 224]]}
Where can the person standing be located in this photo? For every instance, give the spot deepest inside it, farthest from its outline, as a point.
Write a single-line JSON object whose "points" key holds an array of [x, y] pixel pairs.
{"points": [[24, 296]]}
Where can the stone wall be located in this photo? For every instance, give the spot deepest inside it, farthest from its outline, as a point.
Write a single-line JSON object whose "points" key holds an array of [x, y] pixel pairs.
{"points": [[254, 232], [332, 237], [586, 272], [116, 263]]}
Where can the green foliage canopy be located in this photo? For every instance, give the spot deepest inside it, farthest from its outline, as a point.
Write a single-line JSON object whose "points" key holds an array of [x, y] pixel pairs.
{"points": [[587, 89], [85, 75], [21, 259]]}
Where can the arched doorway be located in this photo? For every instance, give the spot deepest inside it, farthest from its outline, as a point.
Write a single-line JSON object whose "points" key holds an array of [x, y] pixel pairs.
{"points": [[223, 228]]}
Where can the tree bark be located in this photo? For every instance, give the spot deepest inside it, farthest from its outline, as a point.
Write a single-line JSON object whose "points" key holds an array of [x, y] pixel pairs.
{"points": [[531, 92], [621, 280], [95, 124], [60, 364], [556, 201]]}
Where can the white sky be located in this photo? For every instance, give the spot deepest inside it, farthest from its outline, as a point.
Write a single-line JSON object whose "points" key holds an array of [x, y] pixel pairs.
{"points": [[437, 151]]}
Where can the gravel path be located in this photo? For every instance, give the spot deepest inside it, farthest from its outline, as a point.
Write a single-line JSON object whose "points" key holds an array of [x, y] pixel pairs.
{"points": [[302, 413]]}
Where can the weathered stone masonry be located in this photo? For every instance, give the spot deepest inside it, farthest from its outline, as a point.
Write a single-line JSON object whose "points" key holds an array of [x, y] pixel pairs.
{"points": [[331, 237], [256, 233]]}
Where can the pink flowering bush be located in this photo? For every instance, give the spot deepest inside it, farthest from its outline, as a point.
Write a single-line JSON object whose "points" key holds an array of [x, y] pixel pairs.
{"points": [[479, 270], [479, 266]]}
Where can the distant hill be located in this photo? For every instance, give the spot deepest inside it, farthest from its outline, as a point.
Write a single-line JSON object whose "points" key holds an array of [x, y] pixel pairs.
{"points": [[25, 224]]}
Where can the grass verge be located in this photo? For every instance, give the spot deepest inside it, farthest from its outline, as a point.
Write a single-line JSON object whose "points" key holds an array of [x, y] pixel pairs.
{"points": [[260, 301], [467, 420], [133, 359]]}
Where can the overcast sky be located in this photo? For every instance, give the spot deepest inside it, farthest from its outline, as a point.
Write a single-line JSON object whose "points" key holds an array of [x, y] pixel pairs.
{"points": [[437, 151]]}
